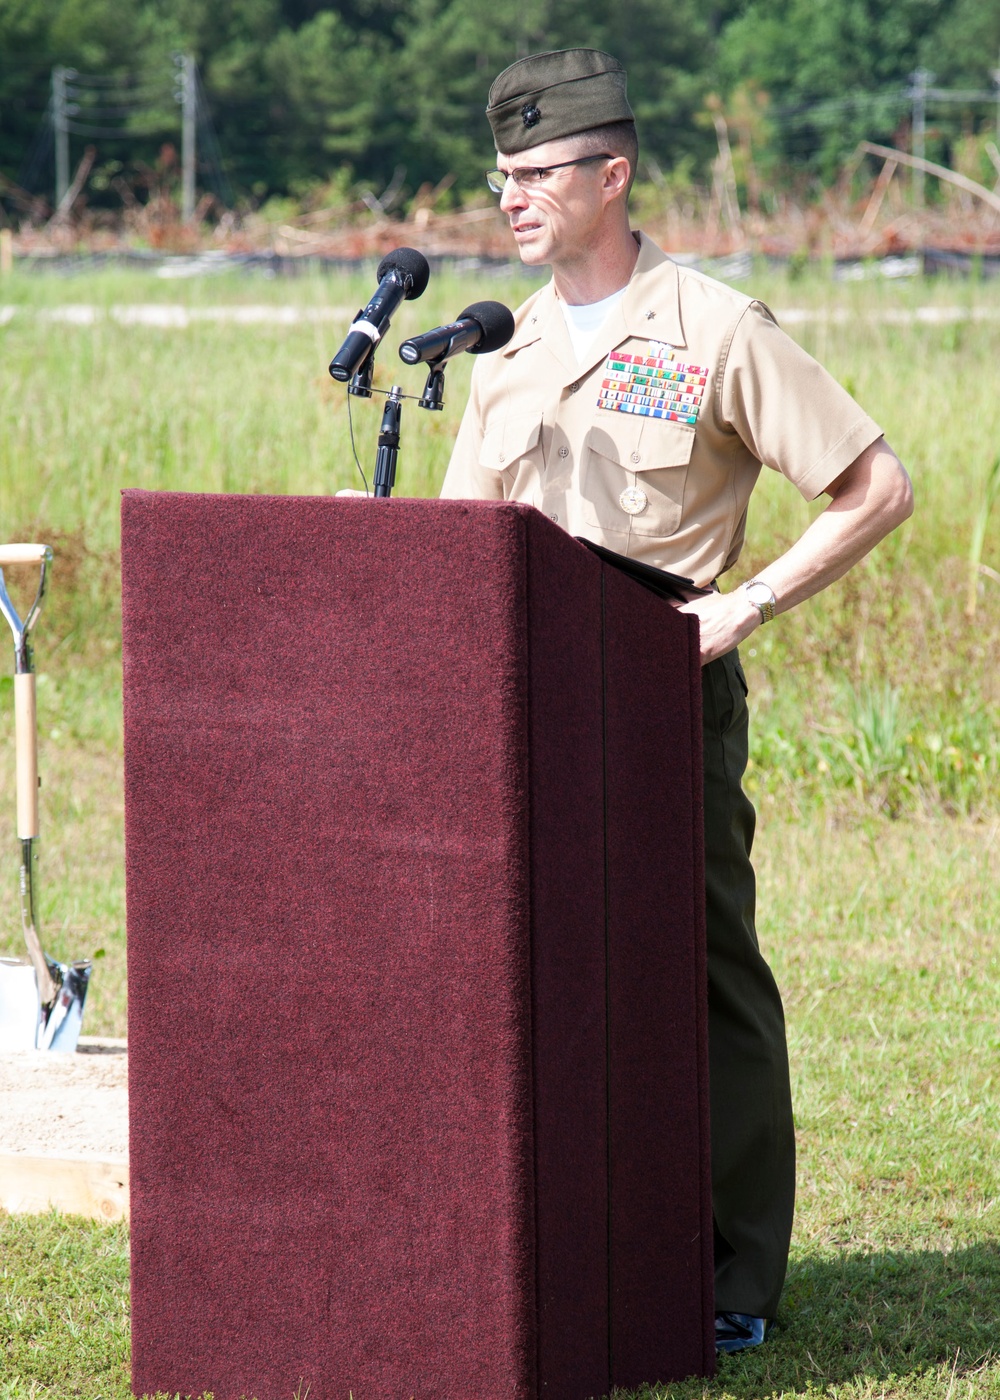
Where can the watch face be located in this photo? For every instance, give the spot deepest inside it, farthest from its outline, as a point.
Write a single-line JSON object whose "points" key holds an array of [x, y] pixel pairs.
{"points": [[759, 594]]}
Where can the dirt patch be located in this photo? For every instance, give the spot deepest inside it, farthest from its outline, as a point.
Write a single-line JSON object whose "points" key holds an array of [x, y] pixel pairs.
{"points": [[66, 1105]]}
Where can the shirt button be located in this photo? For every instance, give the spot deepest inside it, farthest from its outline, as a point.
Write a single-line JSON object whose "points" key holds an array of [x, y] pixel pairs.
{"points": [[635, 457], [573, 388], [555, 518], [501, 457], [564, 452]]}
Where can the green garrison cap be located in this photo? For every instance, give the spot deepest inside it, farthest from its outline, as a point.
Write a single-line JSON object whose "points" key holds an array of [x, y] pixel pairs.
{"points": [[550, 95]]}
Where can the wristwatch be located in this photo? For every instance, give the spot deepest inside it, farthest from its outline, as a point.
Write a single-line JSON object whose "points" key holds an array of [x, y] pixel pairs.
{"points": [[762, 598]]}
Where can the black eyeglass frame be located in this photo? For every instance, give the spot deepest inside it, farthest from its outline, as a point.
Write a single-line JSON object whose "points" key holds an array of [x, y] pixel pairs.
{"points": [[539, 172]]}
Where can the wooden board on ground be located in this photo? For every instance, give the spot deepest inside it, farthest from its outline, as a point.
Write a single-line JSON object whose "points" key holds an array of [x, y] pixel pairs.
{"points": [[64, 1131], [74, 1185]]}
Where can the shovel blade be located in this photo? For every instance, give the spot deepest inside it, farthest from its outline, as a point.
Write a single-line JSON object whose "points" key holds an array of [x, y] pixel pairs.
{"points": [[61, 1030], [24, 1025]]}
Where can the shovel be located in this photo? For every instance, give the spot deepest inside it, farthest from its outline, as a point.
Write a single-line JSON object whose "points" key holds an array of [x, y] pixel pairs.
{"points": [[54, 1004]]}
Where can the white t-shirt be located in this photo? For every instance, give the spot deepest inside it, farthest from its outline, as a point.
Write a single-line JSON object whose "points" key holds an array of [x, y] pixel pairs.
{"points": [[583, 322]]}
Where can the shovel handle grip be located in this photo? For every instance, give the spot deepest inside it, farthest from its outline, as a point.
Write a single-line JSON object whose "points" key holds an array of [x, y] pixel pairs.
{"points": [[22, 553], [26, 747]]}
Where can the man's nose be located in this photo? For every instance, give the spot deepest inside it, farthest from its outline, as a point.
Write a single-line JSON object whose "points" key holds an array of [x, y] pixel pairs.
{"points": [[513, 197]]}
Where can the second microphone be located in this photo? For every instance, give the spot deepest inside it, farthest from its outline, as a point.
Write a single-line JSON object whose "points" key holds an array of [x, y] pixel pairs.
{"points": [[479, 329]]}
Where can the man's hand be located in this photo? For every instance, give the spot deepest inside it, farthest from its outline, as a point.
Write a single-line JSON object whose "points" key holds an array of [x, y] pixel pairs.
{"points": [[724, 619]]}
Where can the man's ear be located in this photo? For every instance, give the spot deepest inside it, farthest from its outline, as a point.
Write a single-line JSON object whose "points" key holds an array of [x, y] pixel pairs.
{"points": [[616, 176]]}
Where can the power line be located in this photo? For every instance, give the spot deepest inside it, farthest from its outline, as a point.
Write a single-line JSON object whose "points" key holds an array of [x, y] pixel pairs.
{"points": [[109, 133], [900, 97], [832, 105], [106, 80], [117, 107], [218, 178], [119, 92], [76, 109], [38, 154]]}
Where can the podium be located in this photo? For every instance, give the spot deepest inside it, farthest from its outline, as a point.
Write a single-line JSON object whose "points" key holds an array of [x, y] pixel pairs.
{"points": [[417, 1027]]}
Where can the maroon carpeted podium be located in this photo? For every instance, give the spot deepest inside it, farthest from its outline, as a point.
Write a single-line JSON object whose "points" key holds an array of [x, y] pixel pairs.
{"points": [[417, 1040]]}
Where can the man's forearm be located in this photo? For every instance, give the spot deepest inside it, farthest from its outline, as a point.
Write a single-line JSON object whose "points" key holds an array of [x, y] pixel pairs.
{"points": [[869, 500]]}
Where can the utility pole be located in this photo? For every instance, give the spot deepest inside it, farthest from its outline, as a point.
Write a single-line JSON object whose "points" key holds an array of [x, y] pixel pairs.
{"points": [[187, 97], [61, 128], [920, 81]]}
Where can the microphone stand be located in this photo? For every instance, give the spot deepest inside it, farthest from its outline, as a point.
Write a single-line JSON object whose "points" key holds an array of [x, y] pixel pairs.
{"points": [[387, 452], [433, 395], [388, 442], [361, 384]]}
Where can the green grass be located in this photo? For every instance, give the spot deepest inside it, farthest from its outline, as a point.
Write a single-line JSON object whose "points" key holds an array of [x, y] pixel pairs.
{"points": [[876, 768], [64, 1309], [882, 935]]}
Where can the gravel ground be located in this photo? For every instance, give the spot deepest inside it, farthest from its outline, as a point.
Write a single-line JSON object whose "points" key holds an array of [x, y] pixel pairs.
{"points": [[73, 1105]]}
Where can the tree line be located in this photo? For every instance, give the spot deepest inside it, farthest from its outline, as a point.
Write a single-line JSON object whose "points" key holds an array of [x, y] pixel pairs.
{"points": [[380, 90]]}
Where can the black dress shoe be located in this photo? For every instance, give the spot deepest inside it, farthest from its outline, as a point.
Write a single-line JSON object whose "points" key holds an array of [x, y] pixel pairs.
{"points": [[736, 1331]]}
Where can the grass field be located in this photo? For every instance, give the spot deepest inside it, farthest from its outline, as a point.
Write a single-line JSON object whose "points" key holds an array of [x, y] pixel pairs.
{"points": [[876, 767]]}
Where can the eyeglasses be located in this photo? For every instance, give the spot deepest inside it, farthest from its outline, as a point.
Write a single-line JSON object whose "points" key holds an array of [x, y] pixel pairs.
{"points": [[528, 177]]}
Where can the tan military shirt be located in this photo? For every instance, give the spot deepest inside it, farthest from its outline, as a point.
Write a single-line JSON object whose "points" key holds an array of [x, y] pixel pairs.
{"points": [[652, 444]]}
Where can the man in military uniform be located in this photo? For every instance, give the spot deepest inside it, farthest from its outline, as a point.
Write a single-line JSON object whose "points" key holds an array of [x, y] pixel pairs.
{"points": [[634, 405]]}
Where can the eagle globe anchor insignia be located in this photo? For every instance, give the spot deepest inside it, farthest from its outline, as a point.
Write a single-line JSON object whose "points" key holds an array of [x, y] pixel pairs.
{"points": [[633, 500]]}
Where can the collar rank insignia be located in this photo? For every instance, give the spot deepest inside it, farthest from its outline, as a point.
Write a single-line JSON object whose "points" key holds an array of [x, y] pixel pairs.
{"points": [[652, 387]]}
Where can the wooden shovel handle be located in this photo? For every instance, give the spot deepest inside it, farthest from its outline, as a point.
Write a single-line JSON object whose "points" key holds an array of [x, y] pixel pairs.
{"points": [[22, 553], [26, 746]]}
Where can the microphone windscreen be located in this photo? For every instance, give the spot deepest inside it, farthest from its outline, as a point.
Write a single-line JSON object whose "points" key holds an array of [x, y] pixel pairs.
{"points": [[411, 264], [497, 322]]}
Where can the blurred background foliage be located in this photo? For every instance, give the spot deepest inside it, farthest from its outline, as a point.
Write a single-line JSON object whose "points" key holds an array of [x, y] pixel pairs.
{"points": [[376, 91]]}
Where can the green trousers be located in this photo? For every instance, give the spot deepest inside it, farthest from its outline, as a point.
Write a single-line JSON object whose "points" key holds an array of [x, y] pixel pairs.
{"points": [[753, 1139]]}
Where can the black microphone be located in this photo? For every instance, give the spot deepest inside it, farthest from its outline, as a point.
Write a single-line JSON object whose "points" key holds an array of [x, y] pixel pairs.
{"points": [[402, 275], [480, 328]]}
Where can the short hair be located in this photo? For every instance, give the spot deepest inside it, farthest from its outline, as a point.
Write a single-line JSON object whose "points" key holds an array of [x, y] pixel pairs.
{"points": [[618, 139]]}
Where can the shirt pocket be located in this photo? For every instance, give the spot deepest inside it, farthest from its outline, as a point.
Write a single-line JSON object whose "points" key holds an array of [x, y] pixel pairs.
{"points": [[513, 446], [634, 474]]}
